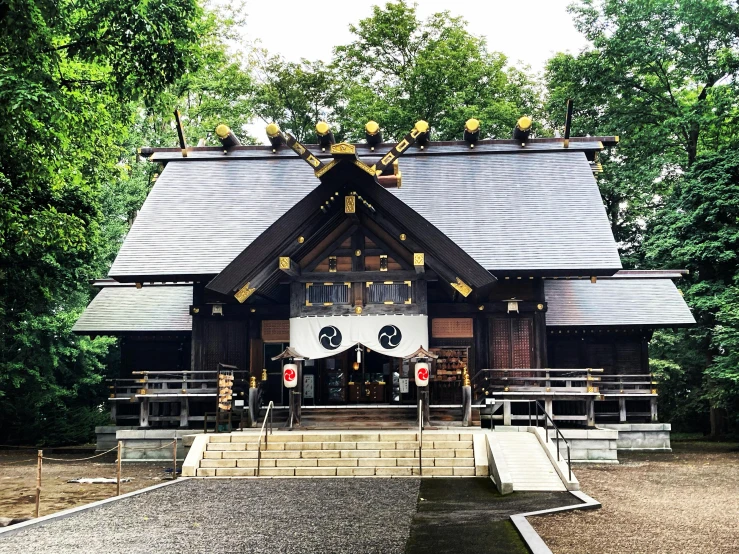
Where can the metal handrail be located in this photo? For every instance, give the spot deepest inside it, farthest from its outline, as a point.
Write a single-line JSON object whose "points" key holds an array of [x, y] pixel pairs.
{"points": [[556, 429], [259, 446], [420, 436]]}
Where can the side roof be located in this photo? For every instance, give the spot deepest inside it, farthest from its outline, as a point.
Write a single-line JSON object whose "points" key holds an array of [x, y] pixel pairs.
{"points": [[513, 210], [126, 309], [617, 301]]}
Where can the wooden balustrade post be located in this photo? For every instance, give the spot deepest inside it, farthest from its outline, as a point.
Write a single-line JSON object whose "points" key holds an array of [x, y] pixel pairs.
{"points": [[39, 462], [174, 458], [118, 468], [622, 410]]}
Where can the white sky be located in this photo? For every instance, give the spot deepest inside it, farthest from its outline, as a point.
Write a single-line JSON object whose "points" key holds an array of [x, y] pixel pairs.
{"points": [[529, 32], [295, 28]]}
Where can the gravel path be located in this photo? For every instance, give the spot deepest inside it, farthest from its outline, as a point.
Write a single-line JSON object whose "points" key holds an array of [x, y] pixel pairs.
{"points": [[281, 515], [654, 503]]}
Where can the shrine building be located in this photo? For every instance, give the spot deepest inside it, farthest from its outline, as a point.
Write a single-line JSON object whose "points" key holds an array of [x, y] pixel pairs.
{"points": [[495, 258]]}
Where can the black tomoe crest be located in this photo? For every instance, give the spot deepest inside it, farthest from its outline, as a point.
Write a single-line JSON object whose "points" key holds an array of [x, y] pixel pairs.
{"points": [[389, 336], [330, 337]]}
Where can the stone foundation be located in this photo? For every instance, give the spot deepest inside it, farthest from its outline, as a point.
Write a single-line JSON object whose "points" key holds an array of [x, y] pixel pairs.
{"points": [[591, 445], [650, 437], [145, 445]]}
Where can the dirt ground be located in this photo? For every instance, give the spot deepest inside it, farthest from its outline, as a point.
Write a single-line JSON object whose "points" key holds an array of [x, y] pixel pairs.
{"points": [[18, 481], [683, 502]]}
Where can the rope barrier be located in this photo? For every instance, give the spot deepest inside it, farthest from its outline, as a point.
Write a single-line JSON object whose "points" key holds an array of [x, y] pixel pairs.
{"points": [[80, 459]]}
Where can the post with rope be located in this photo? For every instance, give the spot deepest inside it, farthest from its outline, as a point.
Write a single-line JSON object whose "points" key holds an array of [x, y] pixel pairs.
{"points": [[118, 468], [38, 481]]}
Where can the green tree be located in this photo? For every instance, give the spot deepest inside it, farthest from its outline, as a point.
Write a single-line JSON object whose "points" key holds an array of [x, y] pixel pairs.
{"points": [[698, 229], [400, 69], [661, 75], [296, 96], [68, 75]]}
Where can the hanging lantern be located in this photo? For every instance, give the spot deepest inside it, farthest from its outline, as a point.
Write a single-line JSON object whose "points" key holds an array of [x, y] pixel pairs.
{"points": [[422, 374], [290, 375]]}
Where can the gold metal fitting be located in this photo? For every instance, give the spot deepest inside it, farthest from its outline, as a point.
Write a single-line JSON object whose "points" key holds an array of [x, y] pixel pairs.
{"points": [[524, 123], [421, 126], [323, 128], [264, 375], [358, 310], [273, 130], [372, 127], [472, 125], [253, 383], [402, 236], [222, 130], [301, 239]]}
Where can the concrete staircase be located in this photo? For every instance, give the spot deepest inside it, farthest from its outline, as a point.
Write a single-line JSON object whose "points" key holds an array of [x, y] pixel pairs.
{"points": [[528, 465], [338, 454]]}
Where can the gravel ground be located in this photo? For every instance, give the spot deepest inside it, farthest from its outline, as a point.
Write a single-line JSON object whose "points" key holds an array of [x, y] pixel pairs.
{"points": [[684, 502], [281, 515], [18, 481]]}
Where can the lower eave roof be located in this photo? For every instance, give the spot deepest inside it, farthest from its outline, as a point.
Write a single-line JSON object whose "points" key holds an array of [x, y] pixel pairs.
{"points": [[619, 301], [126, 309]]}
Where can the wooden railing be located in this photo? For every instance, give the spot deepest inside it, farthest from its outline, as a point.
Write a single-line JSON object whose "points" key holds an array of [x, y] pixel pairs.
{"points": [[167, 384], [489, 382]]}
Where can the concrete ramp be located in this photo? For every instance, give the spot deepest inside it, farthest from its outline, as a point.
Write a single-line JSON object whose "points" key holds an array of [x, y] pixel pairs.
{"points": [[522, 463]]}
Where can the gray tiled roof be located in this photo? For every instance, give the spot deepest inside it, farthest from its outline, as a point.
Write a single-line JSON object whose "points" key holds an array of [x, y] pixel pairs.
{"points": [[519, 211], [121, 309], [616, 301]]}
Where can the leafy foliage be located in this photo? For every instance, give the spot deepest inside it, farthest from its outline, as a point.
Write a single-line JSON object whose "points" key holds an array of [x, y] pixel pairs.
{"points": [[699, 229], [661, 75], [68, 72], [296, 96], [400, 69]]}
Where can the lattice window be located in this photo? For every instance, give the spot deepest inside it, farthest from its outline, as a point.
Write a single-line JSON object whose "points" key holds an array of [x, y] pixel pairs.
{"points": [[521, 339], [501, 343], [389, 293], [327, 294]]}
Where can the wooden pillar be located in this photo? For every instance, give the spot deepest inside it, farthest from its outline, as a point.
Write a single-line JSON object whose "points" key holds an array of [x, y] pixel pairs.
{"points": [[549, 408], [507, 413], [113, 412], [144, 413], [540, 327], [653, 409], [184, 412], [622, 410], [590, 407]]}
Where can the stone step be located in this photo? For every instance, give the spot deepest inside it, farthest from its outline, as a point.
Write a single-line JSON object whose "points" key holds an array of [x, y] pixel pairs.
{"points": [[337, 472], [388, 436]]}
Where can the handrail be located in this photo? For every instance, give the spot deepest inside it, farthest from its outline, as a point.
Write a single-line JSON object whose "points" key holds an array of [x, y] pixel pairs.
{"points": [[546, 430], [420, 437], [259, 446]]}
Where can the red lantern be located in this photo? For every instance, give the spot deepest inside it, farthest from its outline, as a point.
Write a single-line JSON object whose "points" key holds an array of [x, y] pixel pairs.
{"points": [[290, 375], [422, 374]]}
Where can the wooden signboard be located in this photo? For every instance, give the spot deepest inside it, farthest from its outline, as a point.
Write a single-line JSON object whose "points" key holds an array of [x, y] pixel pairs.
{"points": [[276, 330], [452, 328]]}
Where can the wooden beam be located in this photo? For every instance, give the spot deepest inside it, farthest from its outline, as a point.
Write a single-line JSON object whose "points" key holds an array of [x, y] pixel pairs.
{"points": [[397, 255], [362, 276], [419, 262], [312, 259], [289, 266]]}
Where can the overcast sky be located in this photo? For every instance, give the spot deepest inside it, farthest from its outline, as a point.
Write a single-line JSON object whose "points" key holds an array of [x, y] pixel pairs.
{"points": [[528, 31]]}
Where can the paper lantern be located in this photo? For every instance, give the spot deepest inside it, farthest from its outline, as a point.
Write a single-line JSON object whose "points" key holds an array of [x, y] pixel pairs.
{"points": [[290, 375], [422, 374]]}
